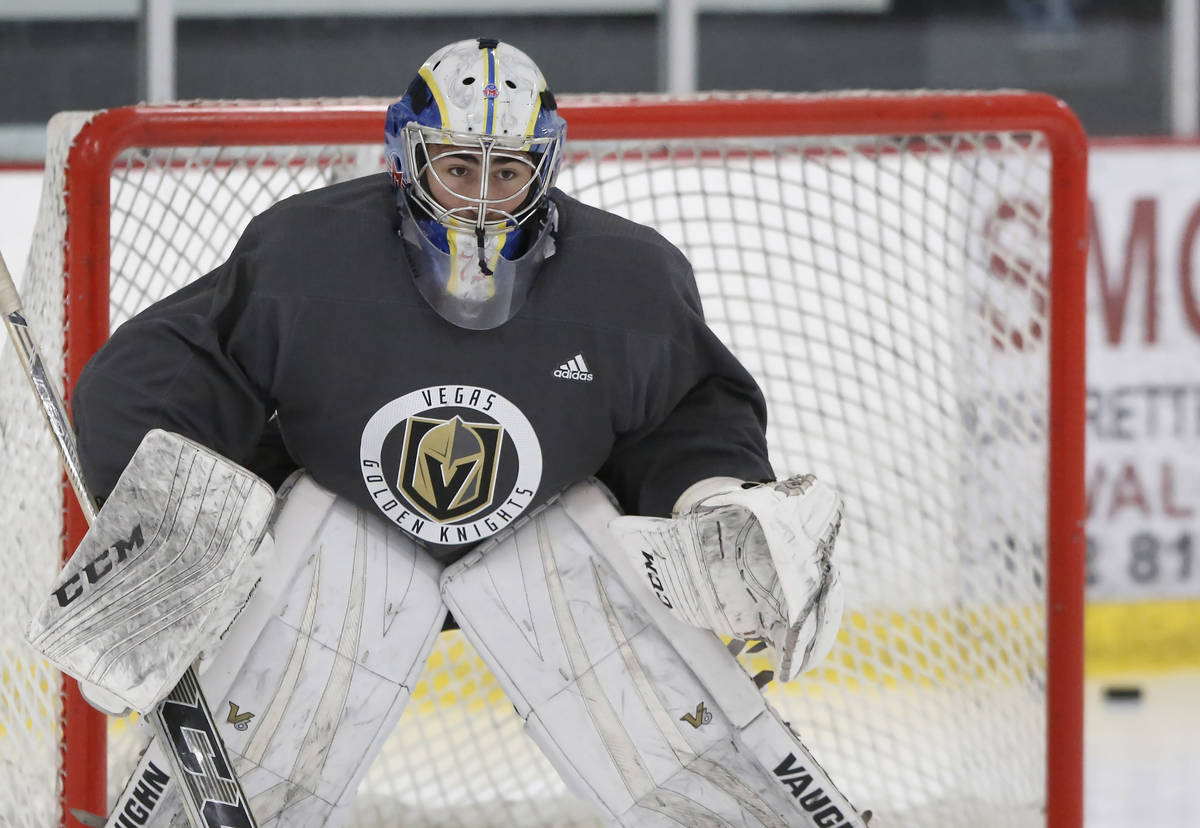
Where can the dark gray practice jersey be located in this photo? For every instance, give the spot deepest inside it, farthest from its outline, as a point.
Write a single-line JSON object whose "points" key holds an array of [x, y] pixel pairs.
{"points": [[608, 370]]}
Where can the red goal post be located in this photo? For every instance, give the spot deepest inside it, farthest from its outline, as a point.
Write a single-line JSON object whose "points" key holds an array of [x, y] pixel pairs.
{"points": [[933, 128]]}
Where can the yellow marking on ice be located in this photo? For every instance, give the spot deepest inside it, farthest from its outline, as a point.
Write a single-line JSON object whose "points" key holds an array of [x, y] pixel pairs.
{"points": [[1146, 636], [884, 650]]}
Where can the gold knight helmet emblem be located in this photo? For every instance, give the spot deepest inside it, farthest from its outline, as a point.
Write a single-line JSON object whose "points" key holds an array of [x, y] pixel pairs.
{"points": [[452, 466], [459, 454]]}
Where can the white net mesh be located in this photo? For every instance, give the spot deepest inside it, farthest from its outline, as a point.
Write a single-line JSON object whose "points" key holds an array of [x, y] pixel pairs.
{"points": [[30, 511], [889, 293]]}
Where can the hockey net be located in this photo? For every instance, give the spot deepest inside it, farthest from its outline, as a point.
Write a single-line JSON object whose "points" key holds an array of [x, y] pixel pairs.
{"points": [[903, 273]]}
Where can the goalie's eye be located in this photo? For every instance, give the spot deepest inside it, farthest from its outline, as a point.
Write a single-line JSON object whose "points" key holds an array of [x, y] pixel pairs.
{"points": [[456, 165]]}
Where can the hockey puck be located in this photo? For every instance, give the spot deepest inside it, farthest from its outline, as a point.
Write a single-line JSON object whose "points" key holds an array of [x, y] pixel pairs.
{"points": [[1123, 693]]}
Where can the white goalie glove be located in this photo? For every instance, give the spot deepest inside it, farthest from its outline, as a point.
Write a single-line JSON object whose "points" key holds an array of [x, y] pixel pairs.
{"points": [[749, 561]]}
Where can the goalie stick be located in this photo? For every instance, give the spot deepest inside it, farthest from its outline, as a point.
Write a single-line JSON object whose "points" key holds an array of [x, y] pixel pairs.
{"points": [[182, 722]]}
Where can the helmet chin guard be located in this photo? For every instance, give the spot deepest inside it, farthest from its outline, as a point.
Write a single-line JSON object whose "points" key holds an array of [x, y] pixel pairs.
{"points": [[466, 278]]}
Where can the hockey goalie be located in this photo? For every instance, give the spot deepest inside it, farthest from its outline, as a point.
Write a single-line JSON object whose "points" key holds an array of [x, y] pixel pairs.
{"points": [[449, 388]]}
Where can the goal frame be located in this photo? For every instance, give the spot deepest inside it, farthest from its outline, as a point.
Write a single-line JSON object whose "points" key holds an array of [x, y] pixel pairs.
{"points": [[112, 131]]}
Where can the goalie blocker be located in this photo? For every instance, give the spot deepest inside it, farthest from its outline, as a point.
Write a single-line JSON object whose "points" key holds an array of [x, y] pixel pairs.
{"points": [[649, 718], [171, 558]]}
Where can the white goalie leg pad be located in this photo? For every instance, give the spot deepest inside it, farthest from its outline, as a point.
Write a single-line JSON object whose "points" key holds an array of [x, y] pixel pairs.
{"points": [[316, 672], [649, 718], [168, 563]]}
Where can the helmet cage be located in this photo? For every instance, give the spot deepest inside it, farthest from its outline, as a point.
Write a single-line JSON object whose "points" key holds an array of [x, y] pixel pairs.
{"points": [[482, 212]]}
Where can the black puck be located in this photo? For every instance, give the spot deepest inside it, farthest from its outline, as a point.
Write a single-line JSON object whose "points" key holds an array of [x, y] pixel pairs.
{"points": [[1123, 693]]}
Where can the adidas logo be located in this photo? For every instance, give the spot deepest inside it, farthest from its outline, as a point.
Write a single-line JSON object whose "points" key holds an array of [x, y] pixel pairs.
{"points": [[574, 368]]}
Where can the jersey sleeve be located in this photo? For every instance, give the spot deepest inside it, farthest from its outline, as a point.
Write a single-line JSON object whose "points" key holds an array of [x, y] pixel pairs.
{"points": [[703, 415], [197, 363]]}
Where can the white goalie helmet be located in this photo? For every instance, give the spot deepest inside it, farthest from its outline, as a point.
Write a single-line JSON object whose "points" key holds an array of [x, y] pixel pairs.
{"points": [[475, 145], [487, 100]]}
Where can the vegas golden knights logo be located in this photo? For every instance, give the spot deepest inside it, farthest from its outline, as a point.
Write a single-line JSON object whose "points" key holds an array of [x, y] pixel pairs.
{"points": [[448, 468], [451, 464]]}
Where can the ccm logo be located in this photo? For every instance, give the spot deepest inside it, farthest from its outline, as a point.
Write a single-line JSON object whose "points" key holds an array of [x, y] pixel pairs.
{"points": [[98, 567], [655, 581]]}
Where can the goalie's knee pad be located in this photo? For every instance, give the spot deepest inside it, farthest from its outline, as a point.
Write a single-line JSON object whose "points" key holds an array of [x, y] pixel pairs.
{"points": [[651, 719], [315, 672]]}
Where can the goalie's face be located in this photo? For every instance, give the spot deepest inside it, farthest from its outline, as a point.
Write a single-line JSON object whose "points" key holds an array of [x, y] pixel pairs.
{"points": [[479, 186], [472, 197]]}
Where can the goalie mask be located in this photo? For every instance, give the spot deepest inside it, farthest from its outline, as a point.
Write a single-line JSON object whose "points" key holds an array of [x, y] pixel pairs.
{"points": [[475, 145]]}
